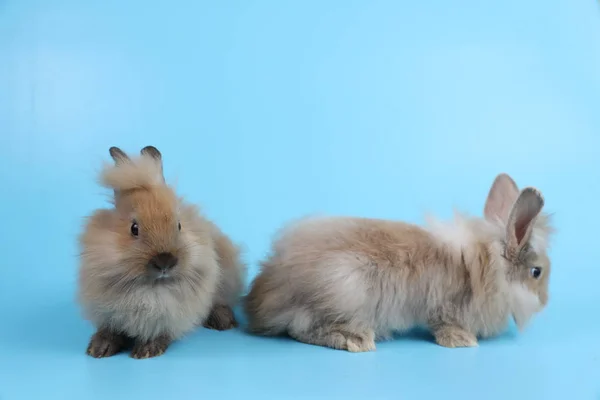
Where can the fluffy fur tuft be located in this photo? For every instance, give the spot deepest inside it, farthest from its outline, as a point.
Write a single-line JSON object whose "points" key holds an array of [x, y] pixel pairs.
{"points": [[344, 282], [139, 173], [152, 268]]}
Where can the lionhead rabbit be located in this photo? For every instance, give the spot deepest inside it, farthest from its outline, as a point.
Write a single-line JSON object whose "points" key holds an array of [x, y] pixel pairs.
{"points": [[152, 268], [345, 282]]}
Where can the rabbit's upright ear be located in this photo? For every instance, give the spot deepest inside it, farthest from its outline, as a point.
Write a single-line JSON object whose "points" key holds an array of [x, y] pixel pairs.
{"points": [[528, 206], [153, 152], [501, 198], [118, 155]]}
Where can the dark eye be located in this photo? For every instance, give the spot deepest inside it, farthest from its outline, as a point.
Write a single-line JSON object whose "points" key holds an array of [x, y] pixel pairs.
{"points": [[134, 229], [535, 272], [179, 226]]}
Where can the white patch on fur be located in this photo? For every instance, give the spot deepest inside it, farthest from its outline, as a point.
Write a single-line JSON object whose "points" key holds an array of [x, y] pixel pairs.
{"points": [[464, 235], [300, 320], [539, 240], [457, 233], [524, 303], [339, 278]]}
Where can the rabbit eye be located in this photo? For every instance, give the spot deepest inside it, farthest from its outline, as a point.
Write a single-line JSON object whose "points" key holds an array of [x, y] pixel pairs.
{"points": [[134, 229], [179, 226], [536, 272]]}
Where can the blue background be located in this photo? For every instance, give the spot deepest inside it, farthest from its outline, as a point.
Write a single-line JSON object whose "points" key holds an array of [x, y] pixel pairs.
{"points": [[270, 110]]}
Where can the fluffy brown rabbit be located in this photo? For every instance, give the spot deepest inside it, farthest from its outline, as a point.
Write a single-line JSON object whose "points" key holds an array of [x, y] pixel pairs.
{"points": [[152, 268], [346, 282]]}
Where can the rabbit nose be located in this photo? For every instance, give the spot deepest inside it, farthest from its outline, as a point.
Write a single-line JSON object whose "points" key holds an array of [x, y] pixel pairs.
{"points": [[163, 261]]}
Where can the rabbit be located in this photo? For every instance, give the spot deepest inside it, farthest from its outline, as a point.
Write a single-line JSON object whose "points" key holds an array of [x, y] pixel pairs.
{"points": [[151, 267], [346, 283]]}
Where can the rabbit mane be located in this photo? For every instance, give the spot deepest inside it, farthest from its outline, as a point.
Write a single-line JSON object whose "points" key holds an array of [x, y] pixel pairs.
{"points": [[465, 231]]}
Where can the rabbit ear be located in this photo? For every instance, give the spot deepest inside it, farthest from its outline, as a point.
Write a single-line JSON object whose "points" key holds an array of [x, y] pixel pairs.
{"points": [[153, 152], [521, 218], [118, 155], [502, 196]]}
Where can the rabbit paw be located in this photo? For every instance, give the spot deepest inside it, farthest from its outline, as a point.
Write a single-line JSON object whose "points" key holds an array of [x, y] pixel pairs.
{"points": [[221, 318], [453, 337], [152, 348], [105, 344], [358, 343], [338, 337]]}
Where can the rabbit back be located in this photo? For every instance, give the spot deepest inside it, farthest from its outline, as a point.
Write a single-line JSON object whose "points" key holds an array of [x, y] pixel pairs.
{"points": [[382, 274]]}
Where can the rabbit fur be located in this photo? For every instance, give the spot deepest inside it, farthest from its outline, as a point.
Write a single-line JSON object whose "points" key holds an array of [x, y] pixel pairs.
{"points": [[149, 288], [346, 282]]}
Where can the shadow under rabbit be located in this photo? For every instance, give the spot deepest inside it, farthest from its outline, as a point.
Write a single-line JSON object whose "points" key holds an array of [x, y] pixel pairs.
{"points": [[412, 337]]}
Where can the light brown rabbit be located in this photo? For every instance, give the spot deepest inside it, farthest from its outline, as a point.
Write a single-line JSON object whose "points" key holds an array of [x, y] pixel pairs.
{"points": [[346, 282], [152, 268]]}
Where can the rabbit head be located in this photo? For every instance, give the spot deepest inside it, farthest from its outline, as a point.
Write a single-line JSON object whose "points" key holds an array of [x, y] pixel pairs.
{"points": [[147, 235], [524, 245]]}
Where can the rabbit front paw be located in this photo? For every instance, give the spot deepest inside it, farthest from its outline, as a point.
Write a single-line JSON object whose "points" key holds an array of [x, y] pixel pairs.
{"points": [[221, 318], [151, 348], [105, 343], [358, 343]]}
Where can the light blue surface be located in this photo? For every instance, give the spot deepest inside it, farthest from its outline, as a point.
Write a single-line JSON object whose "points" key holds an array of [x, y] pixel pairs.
{"points": [[269, 110]]}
